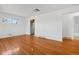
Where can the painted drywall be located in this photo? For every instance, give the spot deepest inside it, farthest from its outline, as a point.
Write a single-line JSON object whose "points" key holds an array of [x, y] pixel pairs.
{"points": [[12, 29], [76, 27], [48, 26], [67, 26], [54, 25]]}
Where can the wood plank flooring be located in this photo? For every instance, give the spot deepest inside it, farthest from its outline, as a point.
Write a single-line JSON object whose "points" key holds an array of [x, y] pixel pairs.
{"points": [[30, 45]]}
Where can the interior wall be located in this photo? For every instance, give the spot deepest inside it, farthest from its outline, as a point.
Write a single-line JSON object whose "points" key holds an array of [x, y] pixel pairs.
{"points": [[76, 26], [67, 26], [12, 29], [48, 26]]}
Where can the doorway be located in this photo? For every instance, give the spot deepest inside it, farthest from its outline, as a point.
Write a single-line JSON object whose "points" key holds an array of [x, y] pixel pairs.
{"points": [[32, 27]]}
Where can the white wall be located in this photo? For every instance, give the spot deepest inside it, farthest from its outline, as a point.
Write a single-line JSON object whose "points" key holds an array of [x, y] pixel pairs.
{"points": [[48, 25], [76, 24], [67, 26], [14, 29], [54, 25]]}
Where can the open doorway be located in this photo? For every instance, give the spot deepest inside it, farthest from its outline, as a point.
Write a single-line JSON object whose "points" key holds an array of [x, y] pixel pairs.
{"points": [[32, 27]]}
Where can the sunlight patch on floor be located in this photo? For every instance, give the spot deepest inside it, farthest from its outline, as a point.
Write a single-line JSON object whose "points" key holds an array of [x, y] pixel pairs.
{"points": [[11, 51]]}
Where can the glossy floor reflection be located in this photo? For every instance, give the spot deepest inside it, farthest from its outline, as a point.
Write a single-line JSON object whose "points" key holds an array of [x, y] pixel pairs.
{"points": [[11, 51], [30, 45]]}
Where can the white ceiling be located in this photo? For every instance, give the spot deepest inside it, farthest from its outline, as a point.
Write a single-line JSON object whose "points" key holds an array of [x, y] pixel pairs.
{"points": [[26, 10]]}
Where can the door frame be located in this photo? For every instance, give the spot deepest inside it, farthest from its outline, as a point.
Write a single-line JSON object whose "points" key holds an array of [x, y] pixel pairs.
{"points": [[32, 27]]}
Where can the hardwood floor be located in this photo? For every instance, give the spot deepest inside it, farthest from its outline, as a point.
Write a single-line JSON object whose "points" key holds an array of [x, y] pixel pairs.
{"points": [[30, 45]]}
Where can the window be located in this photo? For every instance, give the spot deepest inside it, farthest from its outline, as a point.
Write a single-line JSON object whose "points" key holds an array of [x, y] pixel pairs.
{"points": [[8, 20]]}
